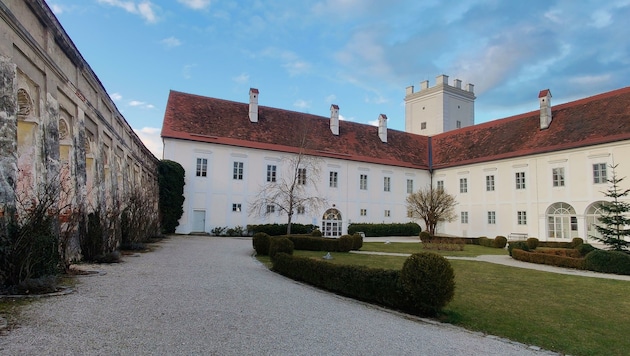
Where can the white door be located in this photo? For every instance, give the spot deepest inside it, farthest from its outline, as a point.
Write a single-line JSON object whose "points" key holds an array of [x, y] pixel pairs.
{"points": [[199, 221]]}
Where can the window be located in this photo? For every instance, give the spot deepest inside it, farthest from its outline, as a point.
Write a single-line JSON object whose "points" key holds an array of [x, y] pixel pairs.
{"points": [[387, 184], [561, 221], [238, 171], [492, 217], [236, 208], [409, 186], [520, 180], [463, 185], [301, 178], [271, 173], [409, 213], [363, 212], [490, 183], [521, 217], [300, 210], [458, 124], [558, 177], [423, 126], [387, 213], [334, 178], [599, 173], [363, 182], [271, 209], [464, 217], [440, 184], [202, 167]]}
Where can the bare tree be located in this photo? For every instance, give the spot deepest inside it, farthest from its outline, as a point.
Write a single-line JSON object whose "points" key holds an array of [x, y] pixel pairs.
{"points": [[294, 188], [433, 206]]}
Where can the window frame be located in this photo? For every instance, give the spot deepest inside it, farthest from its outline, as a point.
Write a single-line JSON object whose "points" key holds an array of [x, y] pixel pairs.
{"points": [[520, 180], [490, 186], [463, 216], [492, 217], [409, 186], [333, 179], [238, 171], [521, 217], [439, 184], [301, 176], [272, 170], [557, 176], [237, 207], [600, 173], [363, 181], [463, 185], [387, 184], [202, 167]]}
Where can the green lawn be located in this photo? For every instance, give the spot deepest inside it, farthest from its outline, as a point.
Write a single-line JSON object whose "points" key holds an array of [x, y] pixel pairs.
{"points": [[563, 313], [410, 247]]}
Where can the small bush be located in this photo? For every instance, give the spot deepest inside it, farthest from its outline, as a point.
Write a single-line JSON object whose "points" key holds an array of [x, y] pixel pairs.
{"points": [[345, 243], [584, 249], [278, 245], [357, 241], [548, 259], [499, 242], [316, 233], [372, 230], [532, 243], [425, 236], [484, 241], [608, 262], [444, 244], [260, 243], [521, 245], [577, 241], [429, 282]]}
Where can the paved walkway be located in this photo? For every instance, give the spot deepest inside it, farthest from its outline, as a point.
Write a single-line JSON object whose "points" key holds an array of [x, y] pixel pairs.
{"points": [[207, 296]]}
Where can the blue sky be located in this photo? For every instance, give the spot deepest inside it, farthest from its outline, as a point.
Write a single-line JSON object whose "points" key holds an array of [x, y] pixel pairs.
{"points": [[358, 54]]}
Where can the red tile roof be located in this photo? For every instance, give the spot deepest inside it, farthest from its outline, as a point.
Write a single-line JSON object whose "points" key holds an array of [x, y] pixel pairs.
{"points": [[204, 119], [595, 120]]}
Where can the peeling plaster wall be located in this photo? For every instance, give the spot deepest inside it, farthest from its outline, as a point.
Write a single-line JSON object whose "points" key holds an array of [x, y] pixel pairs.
{"points": [[58, 122]]}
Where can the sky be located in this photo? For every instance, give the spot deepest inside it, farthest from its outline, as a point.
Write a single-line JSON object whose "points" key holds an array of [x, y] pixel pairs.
{"points": [[359, 54]]}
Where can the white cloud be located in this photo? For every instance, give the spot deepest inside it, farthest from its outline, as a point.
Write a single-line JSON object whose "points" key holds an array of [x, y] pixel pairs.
{"points": [[590, 79], [302, 104], [241, 78], [373, 122], [115, 96], [186, 71], [195, 4], [292, 62], [150, 136], [56, 9], [146, 9], [171, 42], [331, 98], [136, 103], [140, 104]]}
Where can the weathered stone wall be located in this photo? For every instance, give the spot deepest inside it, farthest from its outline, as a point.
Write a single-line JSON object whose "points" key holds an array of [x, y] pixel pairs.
{"points": [[59, 126]]}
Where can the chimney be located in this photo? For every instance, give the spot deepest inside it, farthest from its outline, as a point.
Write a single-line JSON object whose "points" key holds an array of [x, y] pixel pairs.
{"points": [[424, 85], [544, 97], [382, 127], [334, 119], [253, 105], [441, 79], [458, 84], [470, 87]]}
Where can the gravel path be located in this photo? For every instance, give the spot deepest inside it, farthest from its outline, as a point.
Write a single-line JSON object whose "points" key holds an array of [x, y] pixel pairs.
{"points": [[208, 296]]}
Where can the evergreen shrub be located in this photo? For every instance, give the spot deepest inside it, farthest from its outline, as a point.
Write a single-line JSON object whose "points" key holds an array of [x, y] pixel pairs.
{"points": [[280, 229], [521, 245], [376, 230], [616, 262], [260, 242], [577, 241], [499, 242], [316, 233], [548, 259], [532, 243], [357, 241], [584, 249], [425, 236], [428, 281], [345, 243], [280, 245]]}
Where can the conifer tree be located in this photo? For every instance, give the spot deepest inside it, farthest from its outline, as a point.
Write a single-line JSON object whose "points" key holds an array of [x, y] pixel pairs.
{"points": [[615, 219]]}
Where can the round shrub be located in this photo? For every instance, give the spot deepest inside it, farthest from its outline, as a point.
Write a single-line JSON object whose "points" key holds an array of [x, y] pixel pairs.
{"points": [[584, 249], [280, 244], [357, 241], [428, 281], [577, 241], [499, 242], [425, 236], [616, 262], [261, 241], [532, 243], [316, 233], [345, 243]]}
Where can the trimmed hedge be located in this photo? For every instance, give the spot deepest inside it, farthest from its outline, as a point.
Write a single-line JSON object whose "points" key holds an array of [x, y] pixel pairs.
{"points": [[345, 243], [608, 262], [497, 242], [280, 229], [532, 243], [548, 259], [260, 242], [280, 245], [357, 241], [425, 236], [422, 293], [376, 230], [521, 245]]}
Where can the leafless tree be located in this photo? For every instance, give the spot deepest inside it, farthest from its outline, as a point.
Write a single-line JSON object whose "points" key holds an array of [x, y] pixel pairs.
{"points": [[294, 188], [433, 206]]}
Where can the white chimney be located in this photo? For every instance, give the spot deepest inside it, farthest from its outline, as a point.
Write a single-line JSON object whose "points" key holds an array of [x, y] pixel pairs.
{"points": [[382, 127], [458, 84], [253, 105], [334, 119], [544, 97], [441, 79]]}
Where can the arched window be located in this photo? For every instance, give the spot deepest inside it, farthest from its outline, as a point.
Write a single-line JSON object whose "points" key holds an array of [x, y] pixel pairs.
{"points": [[331, 223], [25, 104], [593, 212], [561, 221]]}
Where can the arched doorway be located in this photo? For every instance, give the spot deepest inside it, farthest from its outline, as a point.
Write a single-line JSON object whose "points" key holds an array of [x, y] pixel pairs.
{"points": [[561, 221], [331, 223], [593, 212]]}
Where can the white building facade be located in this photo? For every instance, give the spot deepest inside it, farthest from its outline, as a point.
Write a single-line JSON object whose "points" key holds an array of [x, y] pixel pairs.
{"points": [[539, 174]]}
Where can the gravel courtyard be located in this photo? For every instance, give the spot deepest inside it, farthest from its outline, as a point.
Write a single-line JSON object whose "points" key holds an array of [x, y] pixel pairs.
{"points": [[199, 295]]}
